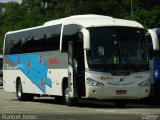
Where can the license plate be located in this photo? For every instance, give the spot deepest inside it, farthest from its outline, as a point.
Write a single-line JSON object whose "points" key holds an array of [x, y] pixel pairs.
{"points": [[121, 91]]}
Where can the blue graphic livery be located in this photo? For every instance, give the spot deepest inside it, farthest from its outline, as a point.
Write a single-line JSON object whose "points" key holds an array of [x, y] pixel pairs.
{"points": [[33, 66], [157, 62], [156, 70]]}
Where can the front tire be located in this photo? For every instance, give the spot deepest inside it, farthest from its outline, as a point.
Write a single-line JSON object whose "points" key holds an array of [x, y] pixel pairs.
{"points": [[67, 99]]}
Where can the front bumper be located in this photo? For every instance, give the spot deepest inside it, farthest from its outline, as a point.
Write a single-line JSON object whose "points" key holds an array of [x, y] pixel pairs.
{"points": [[132, 92]]}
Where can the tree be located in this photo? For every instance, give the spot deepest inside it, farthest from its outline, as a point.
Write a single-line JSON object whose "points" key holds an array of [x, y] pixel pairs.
{"points": [[148, 18], [36, 12]]}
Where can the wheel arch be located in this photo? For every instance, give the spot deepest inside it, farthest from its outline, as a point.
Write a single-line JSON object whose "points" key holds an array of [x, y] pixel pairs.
{"points": [[64, 81]]}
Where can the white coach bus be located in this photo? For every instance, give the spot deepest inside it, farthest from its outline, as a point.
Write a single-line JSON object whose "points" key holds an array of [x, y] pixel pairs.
{"points": [[84, 56]]}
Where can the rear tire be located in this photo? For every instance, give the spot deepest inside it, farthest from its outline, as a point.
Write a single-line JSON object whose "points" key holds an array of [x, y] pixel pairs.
{"points": [[20, 95], [67, 99]]}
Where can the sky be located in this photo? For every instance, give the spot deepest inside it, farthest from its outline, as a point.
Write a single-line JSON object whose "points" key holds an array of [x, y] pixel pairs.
{"points": [[5, 1]]}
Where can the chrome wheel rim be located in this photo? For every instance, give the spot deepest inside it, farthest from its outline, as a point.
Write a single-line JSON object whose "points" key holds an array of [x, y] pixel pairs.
{"points": [[67, 94], [19, 91]]}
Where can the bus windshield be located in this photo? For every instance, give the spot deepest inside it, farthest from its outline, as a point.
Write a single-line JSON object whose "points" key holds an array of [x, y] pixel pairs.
{"points": [[117, 49]]}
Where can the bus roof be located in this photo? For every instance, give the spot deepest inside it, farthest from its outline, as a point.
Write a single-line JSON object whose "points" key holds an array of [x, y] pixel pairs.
{"points": [[94, 20], [87, 21]]}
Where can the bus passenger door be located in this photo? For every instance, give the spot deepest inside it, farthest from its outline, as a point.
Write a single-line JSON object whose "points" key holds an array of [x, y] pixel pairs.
{"points": [[76, 68]]}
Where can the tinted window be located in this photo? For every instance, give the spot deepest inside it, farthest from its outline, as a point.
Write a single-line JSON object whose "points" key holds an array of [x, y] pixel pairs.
{"points": [[27, 39], [35, 40], [13, 43], [53, 37], [70, 33]]}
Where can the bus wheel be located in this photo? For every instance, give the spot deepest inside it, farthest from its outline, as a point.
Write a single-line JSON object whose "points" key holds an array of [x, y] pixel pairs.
{"points": [[67, 99], [19, 91], [20, 95], [120, 103]]}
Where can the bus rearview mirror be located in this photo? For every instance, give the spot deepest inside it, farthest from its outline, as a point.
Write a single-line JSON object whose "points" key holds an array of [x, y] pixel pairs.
{"points": [[154, 38]]}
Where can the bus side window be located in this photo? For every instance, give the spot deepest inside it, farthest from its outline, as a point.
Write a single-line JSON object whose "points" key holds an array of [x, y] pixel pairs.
{"points": [[7, 45], [16, 49], [27, 41], [39, 40], [13, 43], [53, 37], [70, 33]]}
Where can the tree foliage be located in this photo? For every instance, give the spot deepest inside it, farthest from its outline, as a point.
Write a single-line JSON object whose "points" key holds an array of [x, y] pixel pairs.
{"points": [[148, 18], [35, 12]]}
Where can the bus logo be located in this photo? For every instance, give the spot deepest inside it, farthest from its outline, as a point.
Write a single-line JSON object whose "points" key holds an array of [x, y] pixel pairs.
{"points": [[156, 73], [53, 61]]}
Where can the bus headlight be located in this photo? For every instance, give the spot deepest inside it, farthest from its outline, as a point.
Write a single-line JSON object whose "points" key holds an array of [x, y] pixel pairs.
{"points": [[144, 83], [91, 82]]}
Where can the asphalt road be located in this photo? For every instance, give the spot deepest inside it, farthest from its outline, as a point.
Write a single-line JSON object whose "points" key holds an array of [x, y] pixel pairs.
{"points": [[45, 108]]}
